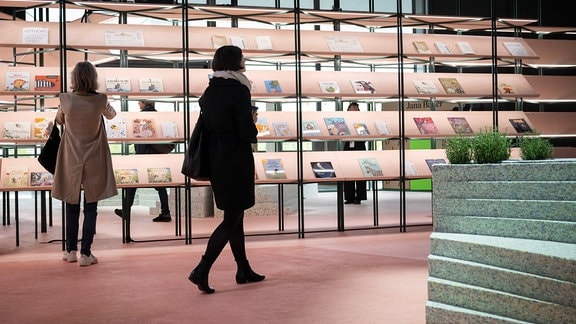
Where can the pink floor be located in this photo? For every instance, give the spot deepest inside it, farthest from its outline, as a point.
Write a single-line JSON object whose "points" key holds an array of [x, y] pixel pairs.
{"points": [[357, 276]]}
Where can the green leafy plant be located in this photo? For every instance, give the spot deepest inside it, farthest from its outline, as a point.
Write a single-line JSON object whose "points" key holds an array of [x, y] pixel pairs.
{"points": [[535, 148], [490, 146], [459, 149]]}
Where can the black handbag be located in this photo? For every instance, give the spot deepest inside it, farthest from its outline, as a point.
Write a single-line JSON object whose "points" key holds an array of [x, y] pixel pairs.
{"points": [[49, 152], [161, 148], [195, 163]]}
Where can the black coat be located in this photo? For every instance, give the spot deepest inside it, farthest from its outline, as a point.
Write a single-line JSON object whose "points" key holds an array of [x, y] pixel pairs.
{"points": [[227, 117]]}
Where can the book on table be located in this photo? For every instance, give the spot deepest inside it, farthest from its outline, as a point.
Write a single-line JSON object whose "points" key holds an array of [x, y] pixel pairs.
{"points": [[426, 125], [281, 128], [159, 175], [274, 169], [323, 169], [460, 125], [336, 126], [370, 167]]}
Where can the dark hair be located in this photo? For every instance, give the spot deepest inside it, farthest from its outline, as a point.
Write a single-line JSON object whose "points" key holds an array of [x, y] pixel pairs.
{"points": [[146, 102], [227, 58]]}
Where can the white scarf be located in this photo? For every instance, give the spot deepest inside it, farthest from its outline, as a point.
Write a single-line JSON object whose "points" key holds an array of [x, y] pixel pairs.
{"points": [[236, 75]]}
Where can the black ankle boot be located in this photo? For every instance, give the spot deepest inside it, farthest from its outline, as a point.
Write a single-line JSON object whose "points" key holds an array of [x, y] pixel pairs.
{"points": [[199, 277], [245, 273]]}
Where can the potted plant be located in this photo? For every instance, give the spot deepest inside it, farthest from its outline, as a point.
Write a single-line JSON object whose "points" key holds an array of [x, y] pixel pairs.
{"points": [[490, 146], [459, 149], [535, 148]]}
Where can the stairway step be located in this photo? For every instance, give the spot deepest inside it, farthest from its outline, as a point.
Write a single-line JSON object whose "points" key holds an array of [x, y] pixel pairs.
{"points": [[507, 189], [554, 170], [438, 313]]}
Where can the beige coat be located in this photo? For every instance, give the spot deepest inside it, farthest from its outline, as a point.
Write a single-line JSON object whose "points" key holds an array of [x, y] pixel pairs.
{"points": [[84, 160]]}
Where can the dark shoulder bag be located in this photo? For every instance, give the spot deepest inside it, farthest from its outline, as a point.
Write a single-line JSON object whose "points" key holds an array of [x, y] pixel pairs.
{"points": [[49, 152], [195, 163]]}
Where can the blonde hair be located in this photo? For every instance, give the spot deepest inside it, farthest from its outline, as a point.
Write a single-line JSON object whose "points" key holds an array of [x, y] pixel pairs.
{"points": [[84, 77]]}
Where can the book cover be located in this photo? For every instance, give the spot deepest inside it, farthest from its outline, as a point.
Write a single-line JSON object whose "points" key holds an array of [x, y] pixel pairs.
{"points": [[219, 41], [264, 43], [262, 126], [383, 127], [118, 85], [274, 169], [169, 129], [460, 125], [520, 125], [465, 48], [370, 167], [42, 127], [343, 44], [17, 177], [159, 175], [442, 47], [426, 125], [17, 130], [281, 129], [361, 129], [310, 128], [41, 179], [506, 88], [431, 162], [115, 127], [17, 81], [126, 176], [422, 47], [238, 41], [329, 87], [46, 82], [410, 168], [425, 87], [362, 86], [272, 86], [516, 49], [336, 126], [451, 85], [150, 85], [143, 127], [323, 169]]}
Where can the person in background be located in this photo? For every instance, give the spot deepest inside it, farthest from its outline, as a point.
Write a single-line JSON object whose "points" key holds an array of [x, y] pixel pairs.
{"points": [[84, 162], [228, 119], [146, 105], [354, 191]]}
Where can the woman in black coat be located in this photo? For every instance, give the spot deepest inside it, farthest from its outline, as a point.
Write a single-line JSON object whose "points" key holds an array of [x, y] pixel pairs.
{"points": [[227, 116]]}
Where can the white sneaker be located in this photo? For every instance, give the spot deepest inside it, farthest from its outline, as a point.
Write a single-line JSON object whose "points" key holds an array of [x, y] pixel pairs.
{"points": [[70, 256], [87, 260]]}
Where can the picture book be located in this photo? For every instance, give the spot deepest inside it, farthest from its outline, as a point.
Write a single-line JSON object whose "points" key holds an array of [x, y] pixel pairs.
{"points": [[426, 125], [272, 86], [150, 85], [126, 176], [274, 169], [281, 129], [17, 81], [520, 125], [118, 85], [264, 43], [370, 167], [323, 169], [361, 129], [159, 175], [460, 125], [238, 41], [343, 44], [262, 126], [329, 87], [46, 83], [115, 127], [219, 41], [16, 177], [422, 47], [143, 127], [336, 126], [41, 179], [169, 129], [362, 86], [383, 127], [410, 168], [425, 87], [451, 85], [42, 127], [442, 47], [465, 48], [506, 88], [310, 128], [431, 162], [17, 130], [35, 35], [516, 49]]}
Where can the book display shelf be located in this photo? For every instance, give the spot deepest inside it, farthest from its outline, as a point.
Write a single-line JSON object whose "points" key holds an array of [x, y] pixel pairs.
{"points": [[328, 68]]}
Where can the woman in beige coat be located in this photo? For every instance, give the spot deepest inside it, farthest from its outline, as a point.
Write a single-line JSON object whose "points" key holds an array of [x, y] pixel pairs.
{"points": [[84, 162]]}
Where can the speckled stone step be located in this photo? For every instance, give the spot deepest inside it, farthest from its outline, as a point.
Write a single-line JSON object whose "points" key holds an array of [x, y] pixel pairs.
{"points": [[438, 313], [553, 170], [507, 189]]}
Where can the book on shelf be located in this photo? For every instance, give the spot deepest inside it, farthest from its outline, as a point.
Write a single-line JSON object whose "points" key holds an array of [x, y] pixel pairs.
{"points": [[465, 48], [506, 88], [219, 41], [126, 176], [281, 128], [169, 129], [274, 169], [442, 48], [460, 125], [362, 86], [431, 162], [143, 127], [272, 86], [115, 127], [361, 128], [238, 41], [150, 85], [422, 47], [310, 128], [35, 35], [425, 87], [323, 169], [17, 81], [329, 87], [262, 126], [118, 85], [16, 177], [426, 125], [17, 130], [264, 42], [43, 82], [410, 168], [42, 127], [159, 175], [336, 126], [343, 44], [520, 125], [451, 85], [124, 38], [370, 167], [41, 179], [383, 127], [516, 49]]}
